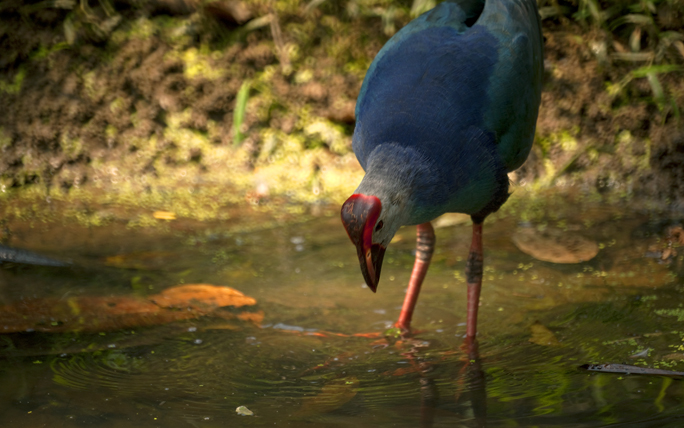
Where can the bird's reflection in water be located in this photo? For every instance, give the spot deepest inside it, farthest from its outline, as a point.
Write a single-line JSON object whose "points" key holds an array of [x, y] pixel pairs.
{"points": [[471, 395], [429, 398], [475, 388]]}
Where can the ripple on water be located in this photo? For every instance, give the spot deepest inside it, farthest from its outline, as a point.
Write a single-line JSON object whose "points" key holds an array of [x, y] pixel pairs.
{"points": [[198, 377]]}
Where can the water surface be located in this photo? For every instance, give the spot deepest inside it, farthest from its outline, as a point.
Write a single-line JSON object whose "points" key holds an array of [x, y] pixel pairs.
{"points": [[311, 363]]}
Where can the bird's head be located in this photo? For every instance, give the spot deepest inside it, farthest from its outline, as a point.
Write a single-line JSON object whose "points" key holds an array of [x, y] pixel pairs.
{"points": [[371, 225]]}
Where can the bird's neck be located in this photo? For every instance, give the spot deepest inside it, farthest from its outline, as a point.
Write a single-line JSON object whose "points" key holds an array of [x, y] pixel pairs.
{"points": [[400, 176]]}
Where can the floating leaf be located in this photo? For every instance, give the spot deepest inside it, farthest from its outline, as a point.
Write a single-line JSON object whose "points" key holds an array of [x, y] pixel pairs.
{"points": [[164, 215], [96, 314], [244, 411], [253, 317], [555, 245], [676, 357], [203, 296], [142, 260], [333, 395], [88, 314], [542, 335]]}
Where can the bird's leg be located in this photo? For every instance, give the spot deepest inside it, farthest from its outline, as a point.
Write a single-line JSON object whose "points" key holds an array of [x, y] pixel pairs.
{"points": [[474, 279], [425, 245]]}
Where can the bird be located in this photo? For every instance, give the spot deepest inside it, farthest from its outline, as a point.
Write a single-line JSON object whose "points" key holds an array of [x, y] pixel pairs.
{"points": [[447, 109]]}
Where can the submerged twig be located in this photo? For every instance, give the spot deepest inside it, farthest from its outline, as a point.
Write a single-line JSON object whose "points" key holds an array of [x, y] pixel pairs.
{"points": [[16, 255], [627, 369]]}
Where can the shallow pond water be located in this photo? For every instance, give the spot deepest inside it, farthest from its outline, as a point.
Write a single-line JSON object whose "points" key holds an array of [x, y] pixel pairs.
{"points": [[318, 358]]}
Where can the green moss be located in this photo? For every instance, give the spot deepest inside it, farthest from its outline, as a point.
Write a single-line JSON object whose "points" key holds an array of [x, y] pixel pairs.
{"points": [[198, 63], [111, 133], [44, 51], [565, 140], [5, 140], [117, 105], [679, 313], [93, 86], [330, 134], [142, 29], [309, 161], [634, 153], [71, 147], [14, 86]]}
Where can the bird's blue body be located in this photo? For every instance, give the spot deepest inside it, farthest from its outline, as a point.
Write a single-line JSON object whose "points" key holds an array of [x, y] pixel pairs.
{"points": [[449, 106]]}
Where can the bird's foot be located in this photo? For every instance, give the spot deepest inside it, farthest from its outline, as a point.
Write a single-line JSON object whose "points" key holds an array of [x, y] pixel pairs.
{"points": [[398, 331], [401, 331]]}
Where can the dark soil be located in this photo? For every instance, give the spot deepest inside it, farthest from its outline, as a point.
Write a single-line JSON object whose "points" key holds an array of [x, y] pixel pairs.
{"points": [[83, 90]]}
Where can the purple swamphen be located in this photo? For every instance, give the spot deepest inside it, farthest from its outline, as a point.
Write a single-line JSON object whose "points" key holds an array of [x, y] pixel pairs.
{"points": [[448, 108]]}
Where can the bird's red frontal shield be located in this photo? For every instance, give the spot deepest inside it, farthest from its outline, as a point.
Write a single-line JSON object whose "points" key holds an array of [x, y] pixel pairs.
{"points": [[359, 215]]}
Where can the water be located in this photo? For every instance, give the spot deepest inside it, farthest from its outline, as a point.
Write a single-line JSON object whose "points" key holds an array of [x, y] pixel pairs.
{"points": [[303, 365]]}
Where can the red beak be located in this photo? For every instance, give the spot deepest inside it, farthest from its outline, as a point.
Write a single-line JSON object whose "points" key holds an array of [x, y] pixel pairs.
{"points": [[359, 214]]}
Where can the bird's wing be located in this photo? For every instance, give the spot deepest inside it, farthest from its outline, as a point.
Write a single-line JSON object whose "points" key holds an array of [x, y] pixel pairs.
{"points": [[515, 85], [455, 67], [452, 14]]}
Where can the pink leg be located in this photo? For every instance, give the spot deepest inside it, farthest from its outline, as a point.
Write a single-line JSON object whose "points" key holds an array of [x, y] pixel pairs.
{"points": [[425, 245], [474, 279]]}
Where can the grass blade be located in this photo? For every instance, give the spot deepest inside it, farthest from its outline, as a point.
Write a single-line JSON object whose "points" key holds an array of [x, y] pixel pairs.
{"points": [[239, 112]]}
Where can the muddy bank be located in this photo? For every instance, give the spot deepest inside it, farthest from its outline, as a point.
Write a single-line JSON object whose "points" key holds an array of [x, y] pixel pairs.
{"points": [[141, 98]]}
